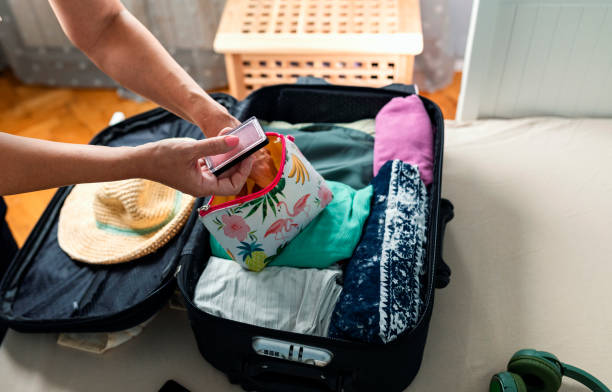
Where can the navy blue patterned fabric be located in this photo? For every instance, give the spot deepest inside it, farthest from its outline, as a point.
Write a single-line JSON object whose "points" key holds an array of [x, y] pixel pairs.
{"points": [[381, 297]]}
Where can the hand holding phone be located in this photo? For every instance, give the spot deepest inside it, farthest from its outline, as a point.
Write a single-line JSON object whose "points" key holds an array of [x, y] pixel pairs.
{"points": [[252, 138]]}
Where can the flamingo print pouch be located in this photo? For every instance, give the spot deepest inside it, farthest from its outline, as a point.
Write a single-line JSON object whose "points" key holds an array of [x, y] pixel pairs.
{"points": [[254, 228]]}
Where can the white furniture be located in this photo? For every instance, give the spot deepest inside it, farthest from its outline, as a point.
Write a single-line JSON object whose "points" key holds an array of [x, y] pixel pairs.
{"points": [[538, 57]]}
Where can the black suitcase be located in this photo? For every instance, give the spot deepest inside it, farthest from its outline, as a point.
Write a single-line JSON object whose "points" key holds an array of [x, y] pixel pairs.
{"points": [[7, 242], [44, 291], [8, 248]]}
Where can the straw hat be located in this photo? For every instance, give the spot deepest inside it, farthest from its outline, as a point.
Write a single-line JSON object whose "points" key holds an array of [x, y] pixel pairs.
{"points": [[115, 222]]}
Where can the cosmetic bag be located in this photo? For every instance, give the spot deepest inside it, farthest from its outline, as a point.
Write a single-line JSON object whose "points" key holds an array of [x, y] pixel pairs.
{"points": [[253, 228], [41, 283]]}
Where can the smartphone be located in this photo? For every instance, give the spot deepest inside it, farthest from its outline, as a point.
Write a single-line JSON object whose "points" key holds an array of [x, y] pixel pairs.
{"points": [[252, 138]]}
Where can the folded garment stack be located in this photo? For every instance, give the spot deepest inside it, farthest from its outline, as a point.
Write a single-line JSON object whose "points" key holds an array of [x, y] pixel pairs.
{"points": [[282, 298]]}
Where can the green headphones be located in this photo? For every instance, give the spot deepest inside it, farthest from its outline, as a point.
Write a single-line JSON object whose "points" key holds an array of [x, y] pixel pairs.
{"points": [[539, 371]]}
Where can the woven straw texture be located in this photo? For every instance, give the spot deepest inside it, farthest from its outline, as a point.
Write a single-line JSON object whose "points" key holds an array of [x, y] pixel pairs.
{"points": [[115, 222]]}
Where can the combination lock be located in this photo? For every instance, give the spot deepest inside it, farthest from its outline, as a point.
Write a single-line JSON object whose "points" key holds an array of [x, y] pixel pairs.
{"points": [[292, 351]]}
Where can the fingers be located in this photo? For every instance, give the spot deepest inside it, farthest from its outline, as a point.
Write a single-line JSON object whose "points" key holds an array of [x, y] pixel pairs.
{"points": [[233, 183], [245, 167], [216, 145], [229, 183], [225, 131]]}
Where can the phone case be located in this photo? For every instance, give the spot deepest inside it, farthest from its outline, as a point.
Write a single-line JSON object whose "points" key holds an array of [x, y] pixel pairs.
{"points": [[245, 154]]}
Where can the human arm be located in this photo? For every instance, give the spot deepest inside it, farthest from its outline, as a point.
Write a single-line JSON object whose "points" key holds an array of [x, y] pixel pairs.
{"points": [[126, 51], [31, 164]]}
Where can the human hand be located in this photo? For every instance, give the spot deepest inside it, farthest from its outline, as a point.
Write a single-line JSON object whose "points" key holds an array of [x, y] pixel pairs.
{"points": [[263, 171], [180, 164]]}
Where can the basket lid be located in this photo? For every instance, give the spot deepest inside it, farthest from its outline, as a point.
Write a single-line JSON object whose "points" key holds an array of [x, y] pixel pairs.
{"points": [[313, 26]]}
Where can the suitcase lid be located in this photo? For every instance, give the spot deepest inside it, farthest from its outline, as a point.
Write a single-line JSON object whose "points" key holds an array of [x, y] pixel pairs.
{"points": [[46, 291]]}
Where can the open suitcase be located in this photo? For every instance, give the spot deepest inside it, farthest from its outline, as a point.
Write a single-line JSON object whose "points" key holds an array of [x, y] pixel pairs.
{"points": [[9, 248], [45, 291]]}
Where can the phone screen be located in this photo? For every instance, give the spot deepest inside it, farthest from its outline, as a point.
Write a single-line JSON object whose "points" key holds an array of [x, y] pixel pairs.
{"points": [[251, 137]]}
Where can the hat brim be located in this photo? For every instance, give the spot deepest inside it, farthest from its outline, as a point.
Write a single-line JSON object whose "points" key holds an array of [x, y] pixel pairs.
{"points": [[83, 239]]}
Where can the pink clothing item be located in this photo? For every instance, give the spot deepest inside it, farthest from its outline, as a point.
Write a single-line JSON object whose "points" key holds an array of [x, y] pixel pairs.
{"points": [[403, 131]]}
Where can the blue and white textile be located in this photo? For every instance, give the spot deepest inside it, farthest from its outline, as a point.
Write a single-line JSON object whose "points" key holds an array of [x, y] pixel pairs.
{"points": [[381, 297]]}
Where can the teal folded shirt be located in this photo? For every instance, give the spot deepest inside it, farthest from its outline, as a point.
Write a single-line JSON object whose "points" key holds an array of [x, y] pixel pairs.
{"points": [[332, 236]]}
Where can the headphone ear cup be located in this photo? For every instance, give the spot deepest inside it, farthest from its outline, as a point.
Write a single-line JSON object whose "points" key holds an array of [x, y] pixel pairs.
{"points": [[538, 374], [520, 384], [507, 382]]}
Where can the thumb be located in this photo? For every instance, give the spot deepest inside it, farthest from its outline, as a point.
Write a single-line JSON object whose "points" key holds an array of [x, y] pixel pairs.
{"points": [[216, 145]]}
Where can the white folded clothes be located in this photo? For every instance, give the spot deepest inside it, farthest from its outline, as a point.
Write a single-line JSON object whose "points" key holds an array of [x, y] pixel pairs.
{"points": [[298, 300]]}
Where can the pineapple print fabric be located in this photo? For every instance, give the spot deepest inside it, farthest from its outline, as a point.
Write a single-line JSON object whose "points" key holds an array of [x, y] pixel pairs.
{"points": [[252, 229]]}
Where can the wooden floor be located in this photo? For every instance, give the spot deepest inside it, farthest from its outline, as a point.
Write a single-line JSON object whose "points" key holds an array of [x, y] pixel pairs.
{"points": [[447, 97], [58, 114], [75, 116]]}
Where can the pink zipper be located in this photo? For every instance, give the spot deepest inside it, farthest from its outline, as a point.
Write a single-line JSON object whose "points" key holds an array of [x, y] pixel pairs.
{"points": [[208, 209]]}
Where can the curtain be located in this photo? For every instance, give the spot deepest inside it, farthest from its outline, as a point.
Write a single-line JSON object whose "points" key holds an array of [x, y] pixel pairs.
{"points": [[434, 68], [39, 52]]}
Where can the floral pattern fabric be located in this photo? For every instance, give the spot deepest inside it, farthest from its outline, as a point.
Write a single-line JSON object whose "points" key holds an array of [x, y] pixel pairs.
{"points": [[253, 231], [235, 227]]}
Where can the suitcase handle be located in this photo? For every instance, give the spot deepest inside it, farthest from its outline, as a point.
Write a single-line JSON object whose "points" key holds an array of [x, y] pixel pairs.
{"points": [[312, 80], [443, 271], [277, 376], [407, 89]]}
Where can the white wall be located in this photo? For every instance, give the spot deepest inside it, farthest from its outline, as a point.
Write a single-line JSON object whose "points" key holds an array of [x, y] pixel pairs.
{"points": [[538, 57]]}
